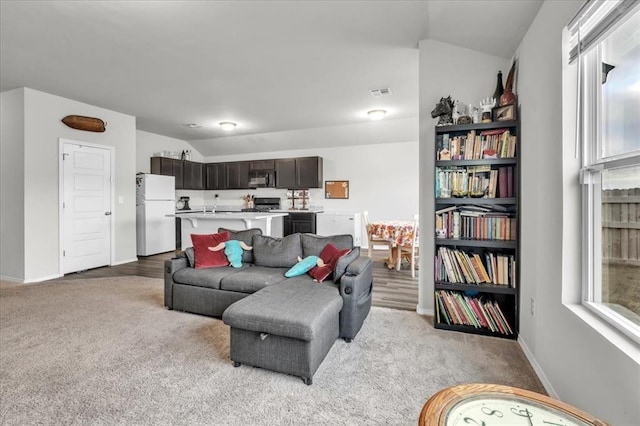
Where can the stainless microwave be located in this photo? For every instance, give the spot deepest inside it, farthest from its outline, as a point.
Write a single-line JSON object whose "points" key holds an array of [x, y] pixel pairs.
{"points": [[262, 179]]}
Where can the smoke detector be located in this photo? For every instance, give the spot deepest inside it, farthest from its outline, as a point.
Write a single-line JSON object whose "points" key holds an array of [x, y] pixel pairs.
{"points": [[192, 125], [380, 92]]}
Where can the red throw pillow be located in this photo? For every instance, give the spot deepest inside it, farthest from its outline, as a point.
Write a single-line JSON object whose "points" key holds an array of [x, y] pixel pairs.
{"points": [[205, 258], [330, 256]]}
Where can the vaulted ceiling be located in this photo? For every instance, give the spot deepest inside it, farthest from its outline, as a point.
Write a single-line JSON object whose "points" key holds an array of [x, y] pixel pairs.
{"points": [[270, 66]]}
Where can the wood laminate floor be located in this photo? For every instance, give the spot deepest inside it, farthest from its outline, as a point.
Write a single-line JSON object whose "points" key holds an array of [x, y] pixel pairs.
{"points": [[391, 288]]}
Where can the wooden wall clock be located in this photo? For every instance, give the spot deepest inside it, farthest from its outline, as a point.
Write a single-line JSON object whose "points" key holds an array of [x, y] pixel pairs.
{"points": [[488, 405]]}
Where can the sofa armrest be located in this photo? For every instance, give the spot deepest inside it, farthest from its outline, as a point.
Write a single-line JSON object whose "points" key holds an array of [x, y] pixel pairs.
{"points": [[355, 288], [170, 267]]}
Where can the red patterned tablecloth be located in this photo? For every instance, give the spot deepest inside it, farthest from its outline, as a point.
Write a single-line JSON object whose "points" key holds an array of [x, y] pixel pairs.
{"points": [[399, 232]]}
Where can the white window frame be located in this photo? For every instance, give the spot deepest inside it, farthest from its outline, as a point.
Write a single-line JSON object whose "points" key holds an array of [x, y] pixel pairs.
{"points": [[593, 165]]}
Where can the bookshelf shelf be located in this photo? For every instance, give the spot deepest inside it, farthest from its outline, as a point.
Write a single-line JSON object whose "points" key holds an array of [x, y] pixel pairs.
{"points": [[481, 162], [472, 330], [477, 126], [476, 246], [462, 242], [476, 201], [483, 288]]}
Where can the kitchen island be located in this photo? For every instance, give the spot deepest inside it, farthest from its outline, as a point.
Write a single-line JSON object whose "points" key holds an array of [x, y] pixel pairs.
{"points": [[208, 223]]}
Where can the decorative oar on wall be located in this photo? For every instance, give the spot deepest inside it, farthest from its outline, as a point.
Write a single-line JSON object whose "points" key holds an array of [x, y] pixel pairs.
{"points": [[90, 124]]}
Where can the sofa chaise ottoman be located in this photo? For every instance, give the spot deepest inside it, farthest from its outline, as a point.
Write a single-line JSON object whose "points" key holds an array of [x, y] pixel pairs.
{"points": [[288, 328]]}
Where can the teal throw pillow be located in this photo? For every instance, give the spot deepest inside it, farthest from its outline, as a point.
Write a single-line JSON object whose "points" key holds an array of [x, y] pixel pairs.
{"points": [[302, 266]]}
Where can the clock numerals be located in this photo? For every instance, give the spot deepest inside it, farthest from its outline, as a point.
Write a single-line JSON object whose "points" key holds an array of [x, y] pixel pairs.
{"points": [[469, 420], [489, 412], [523, 413]]}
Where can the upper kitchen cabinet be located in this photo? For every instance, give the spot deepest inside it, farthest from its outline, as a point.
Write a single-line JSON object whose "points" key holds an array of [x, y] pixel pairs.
{"points": [[216, 176], [259, 165], [168, 167], [193, 175], [299, 173], [238, 175]]}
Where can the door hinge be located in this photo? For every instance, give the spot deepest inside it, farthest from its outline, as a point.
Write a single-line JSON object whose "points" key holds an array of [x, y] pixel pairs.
{"points": [[64, 253], [64, 205]]}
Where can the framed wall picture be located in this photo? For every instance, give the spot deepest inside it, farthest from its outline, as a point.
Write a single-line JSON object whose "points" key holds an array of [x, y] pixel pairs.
{"points": [[504, 113], [336, 189]]}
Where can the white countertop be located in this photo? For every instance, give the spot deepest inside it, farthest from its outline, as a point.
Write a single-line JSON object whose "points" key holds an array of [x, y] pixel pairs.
{"points": [[193, 214]]}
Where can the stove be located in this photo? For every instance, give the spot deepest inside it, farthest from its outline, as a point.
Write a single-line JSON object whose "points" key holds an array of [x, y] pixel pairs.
{"points": [[264, 205]]}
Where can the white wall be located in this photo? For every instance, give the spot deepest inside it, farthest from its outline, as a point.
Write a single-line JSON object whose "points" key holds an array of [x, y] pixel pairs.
{"points": [[468, 76], [12, 185], [581, 360], [382, 179], [149, 143], [42, 117]]}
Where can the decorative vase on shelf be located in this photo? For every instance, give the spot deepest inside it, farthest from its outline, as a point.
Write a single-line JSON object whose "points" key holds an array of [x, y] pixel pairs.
{"points": [[508, 97], [499, 88]]}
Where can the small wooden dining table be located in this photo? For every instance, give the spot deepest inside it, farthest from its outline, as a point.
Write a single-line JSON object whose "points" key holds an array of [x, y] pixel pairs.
{"points": [[398, 233]]}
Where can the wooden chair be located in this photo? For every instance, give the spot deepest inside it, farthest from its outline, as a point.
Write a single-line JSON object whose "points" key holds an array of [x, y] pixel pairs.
{"points": [[412, 251], [375, 240]]}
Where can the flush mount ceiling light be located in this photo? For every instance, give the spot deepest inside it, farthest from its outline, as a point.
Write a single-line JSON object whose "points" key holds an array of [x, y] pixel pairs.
{"points": [[228, 125], [192, 125], [377, 114]]}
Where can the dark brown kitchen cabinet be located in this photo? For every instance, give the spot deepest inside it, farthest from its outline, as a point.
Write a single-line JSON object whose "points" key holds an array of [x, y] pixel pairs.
{"points": [[299, 222], [193, 175], [286, 173], [238, 175], [309, 172], [169, 167], [216, 176], [299, 173], [258, 165]]}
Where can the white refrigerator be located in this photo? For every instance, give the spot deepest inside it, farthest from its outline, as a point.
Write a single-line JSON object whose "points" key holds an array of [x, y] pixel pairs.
{"points": [[155, 198]]}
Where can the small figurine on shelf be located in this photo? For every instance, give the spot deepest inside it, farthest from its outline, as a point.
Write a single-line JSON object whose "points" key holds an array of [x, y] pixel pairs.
{"points": [[443, 110], [508, 97], [457, 111], [486, 105], [474, 112]]}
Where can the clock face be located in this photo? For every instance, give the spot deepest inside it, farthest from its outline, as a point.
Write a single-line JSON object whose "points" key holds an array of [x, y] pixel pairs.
{"points": [[492, 409]]}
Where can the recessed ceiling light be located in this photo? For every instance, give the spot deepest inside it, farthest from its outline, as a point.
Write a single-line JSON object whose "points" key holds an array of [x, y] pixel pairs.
{"points": [[192, 125], [228, 125], [377, 114]]}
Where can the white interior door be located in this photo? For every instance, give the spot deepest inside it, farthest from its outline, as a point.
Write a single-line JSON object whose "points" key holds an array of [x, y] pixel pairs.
{"points": [[86, 209]]}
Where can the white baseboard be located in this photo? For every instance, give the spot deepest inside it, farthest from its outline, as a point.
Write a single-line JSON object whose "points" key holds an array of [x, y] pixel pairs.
{"points": [[424, 311], [11, 279], [536, 367], [121, 262], [39, 279]]}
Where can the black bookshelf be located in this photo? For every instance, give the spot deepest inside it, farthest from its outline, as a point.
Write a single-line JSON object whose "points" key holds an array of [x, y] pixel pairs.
{"points": [[502, 298]]}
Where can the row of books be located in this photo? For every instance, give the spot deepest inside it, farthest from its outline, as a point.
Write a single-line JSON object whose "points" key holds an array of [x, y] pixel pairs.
{"points": [[499, 143], [475, 182], [458, 266], [474, 225], [457, 308]]}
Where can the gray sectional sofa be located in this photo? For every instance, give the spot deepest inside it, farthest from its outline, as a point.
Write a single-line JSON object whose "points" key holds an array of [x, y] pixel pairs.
{"points": [[277, 323]]}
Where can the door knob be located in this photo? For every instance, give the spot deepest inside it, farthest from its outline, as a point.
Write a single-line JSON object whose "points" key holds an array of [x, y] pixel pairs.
{"points": [[107, 213]]}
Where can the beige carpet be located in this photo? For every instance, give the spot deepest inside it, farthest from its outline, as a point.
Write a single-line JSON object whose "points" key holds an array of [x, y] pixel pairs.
{"points": [[106, 351]]}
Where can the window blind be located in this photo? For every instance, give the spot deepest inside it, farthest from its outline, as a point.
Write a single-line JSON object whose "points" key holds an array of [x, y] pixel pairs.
{"points": [[593, 20]]}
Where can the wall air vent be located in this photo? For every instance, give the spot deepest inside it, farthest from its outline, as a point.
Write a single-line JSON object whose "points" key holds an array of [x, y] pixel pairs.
{"points": [[380, 92]]}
